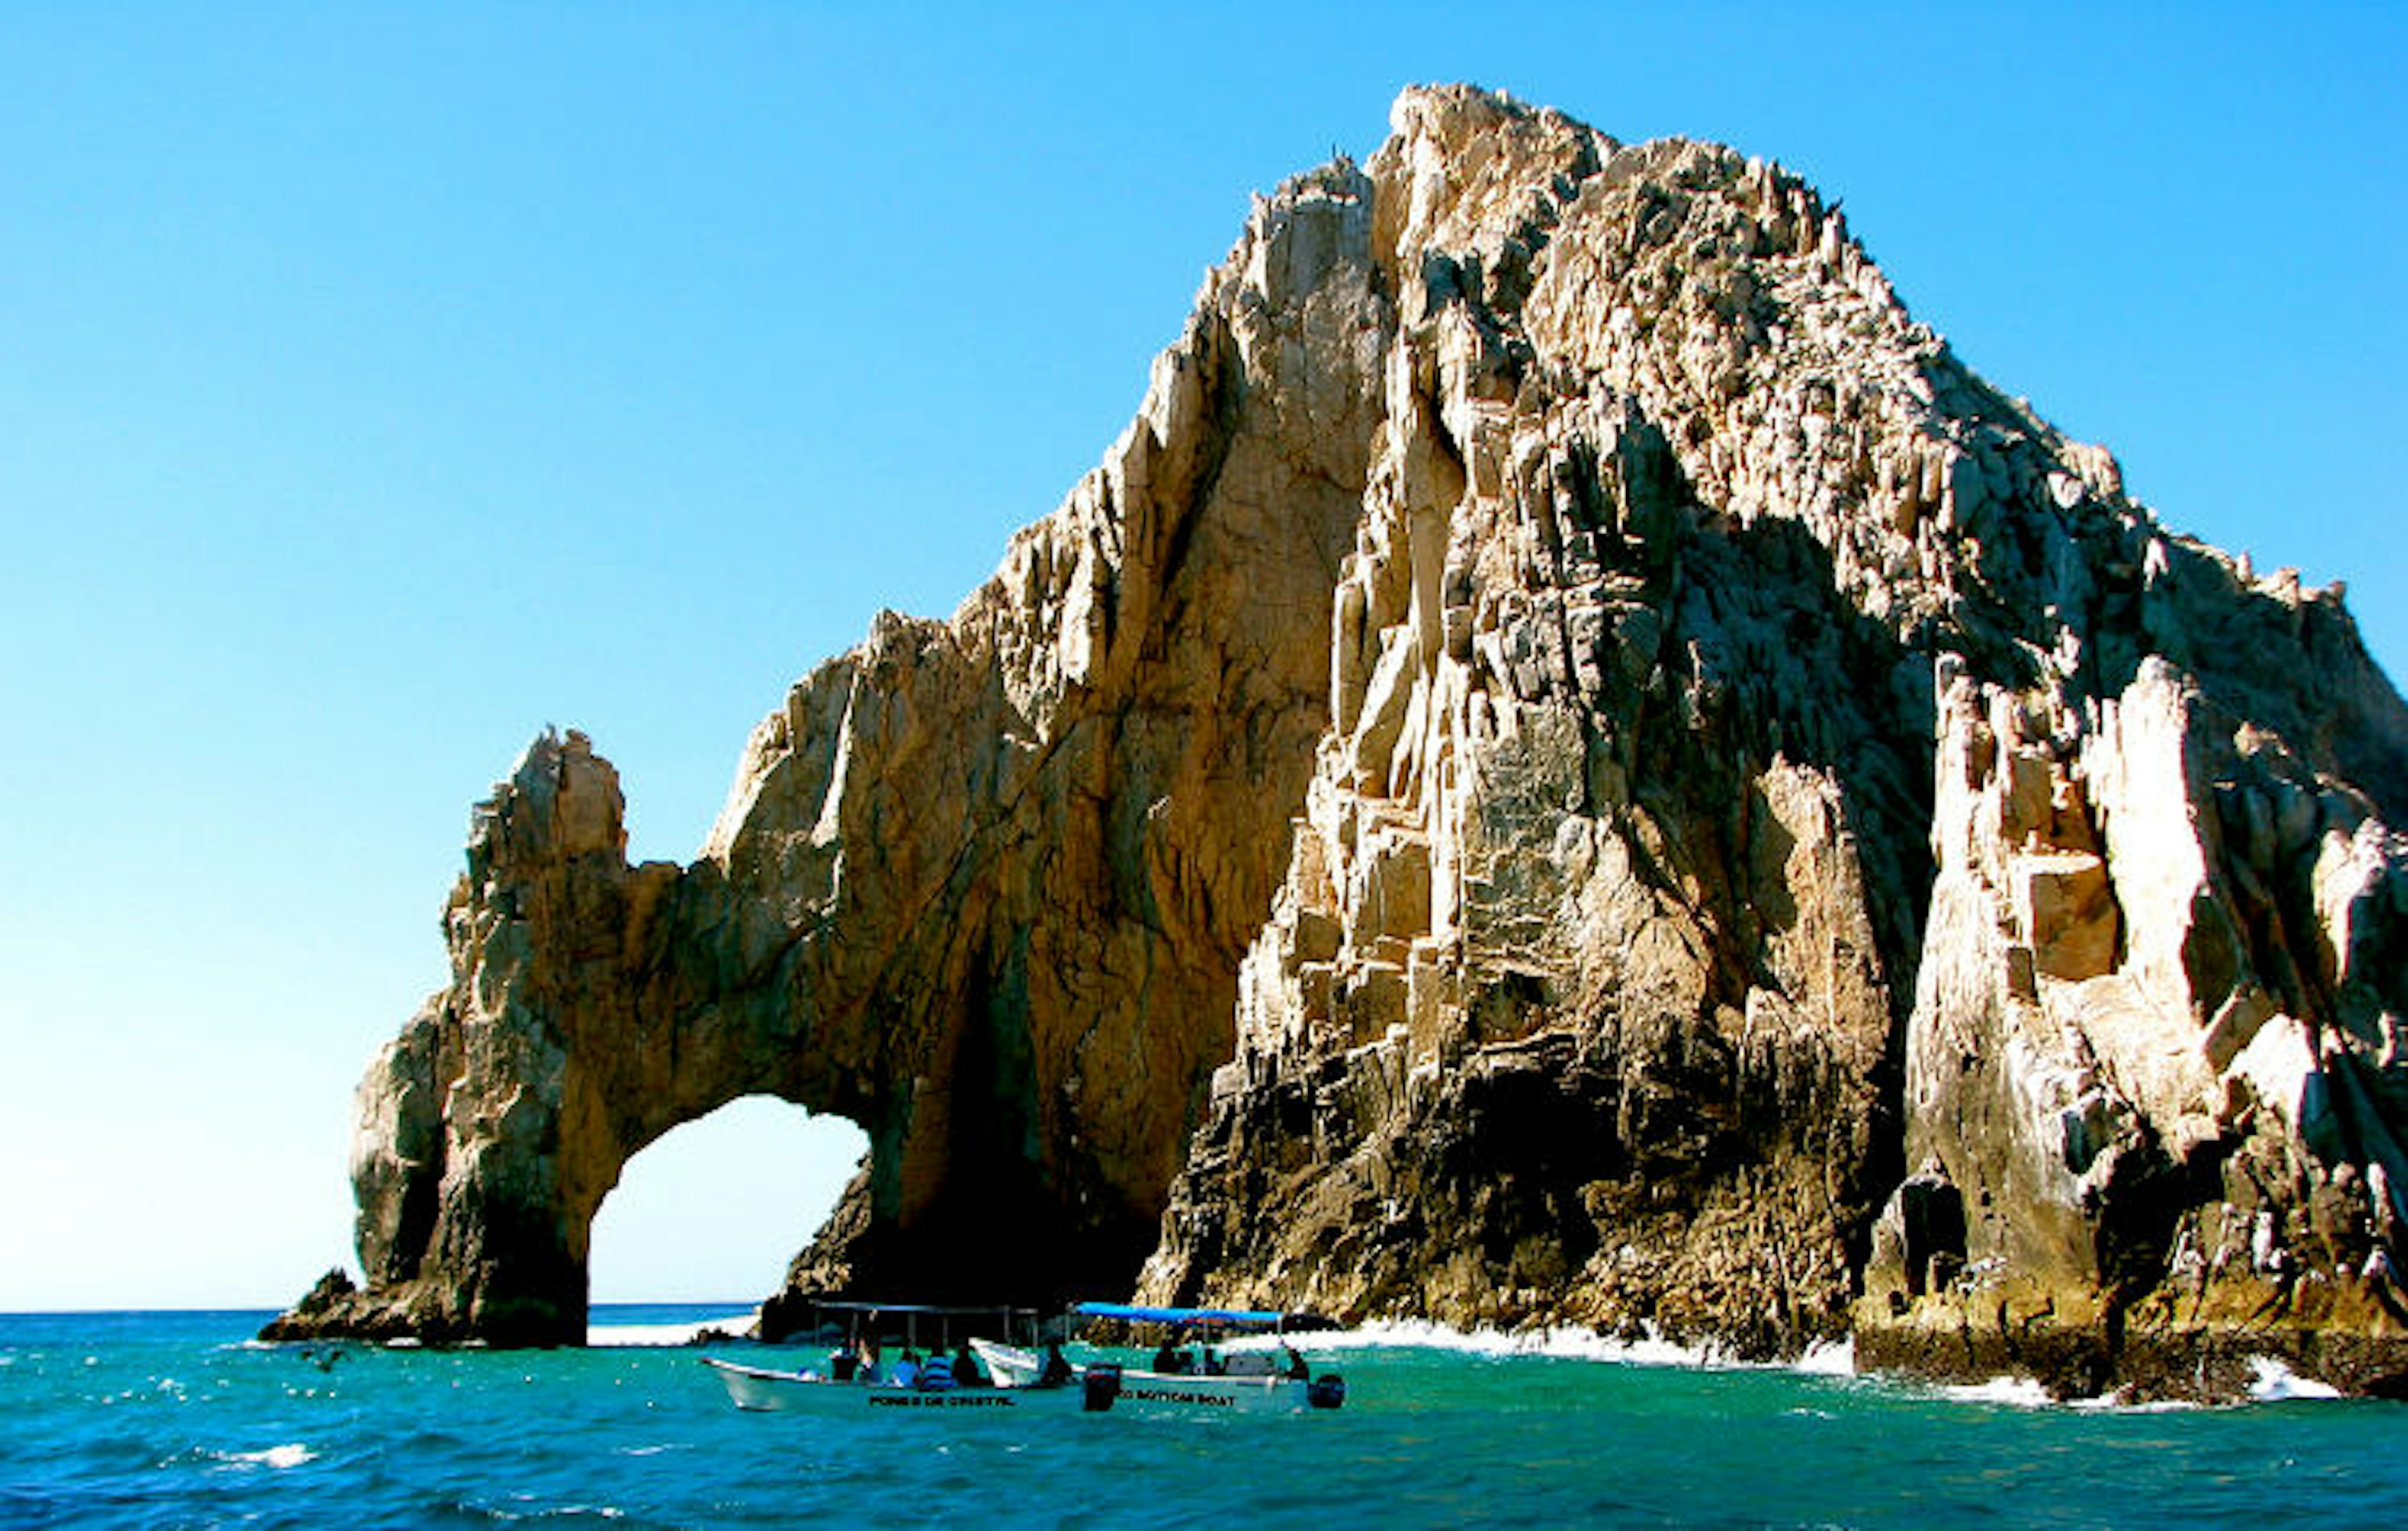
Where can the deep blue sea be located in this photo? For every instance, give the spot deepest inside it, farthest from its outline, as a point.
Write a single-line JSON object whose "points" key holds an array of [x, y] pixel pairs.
{"points": [[176, 1420]]}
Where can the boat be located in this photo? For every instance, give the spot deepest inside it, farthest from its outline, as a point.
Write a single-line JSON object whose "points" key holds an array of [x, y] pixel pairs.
{"points": [[767, 1390], [856, 1336], [1243, 1382], [1190, 1375], [1253, 1380], [1101, 1387]]}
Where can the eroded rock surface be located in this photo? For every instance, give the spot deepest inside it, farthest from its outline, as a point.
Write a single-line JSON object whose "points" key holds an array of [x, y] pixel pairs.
{"points": [[1575, 764], [1764, 758]]}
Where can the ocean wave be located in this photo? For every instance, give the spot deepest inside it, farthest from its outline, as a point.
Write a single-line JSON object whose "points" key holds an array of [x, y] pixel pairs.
{"points": [[2004, 1391], [1570, 1343], [525, 1507], [1828, 1358], [2121, 1403], [291, 1454], [2276, 1382], [2273, 1383], [685, 1332], [2029, 1392]]}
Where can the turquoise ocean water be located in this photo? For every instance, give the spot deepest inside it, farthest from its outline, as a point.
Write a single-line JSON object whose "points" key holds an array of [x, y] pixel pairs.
{"points": [[174, 1420]]}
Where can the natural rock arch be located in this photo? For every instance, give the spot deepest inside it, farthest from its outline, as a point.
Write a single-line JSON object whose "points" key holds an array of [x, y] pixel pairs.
{"points": [[981, 885]]}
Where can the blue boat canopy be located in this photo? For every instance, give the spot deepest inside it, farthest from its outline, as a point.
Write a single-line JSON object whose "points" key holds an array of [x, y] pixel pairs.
{"points": [[1175, 1315]]}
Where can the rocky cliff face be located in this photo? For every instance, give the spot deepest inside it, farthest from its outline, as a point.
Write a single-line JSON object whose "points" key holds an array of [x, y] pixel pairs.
{"points": [[1703, 813], [1764, 759]]}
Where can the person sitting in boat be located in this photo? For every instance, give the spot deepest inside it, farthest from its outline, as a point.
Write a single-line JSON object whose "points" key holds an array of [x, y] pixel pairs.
{"points": [[865, 1369], [1057, 1371], [907, 1370], [842, 1364], [966, 1368], [936, 1373], [1295, 1365], [1171, 1361]]}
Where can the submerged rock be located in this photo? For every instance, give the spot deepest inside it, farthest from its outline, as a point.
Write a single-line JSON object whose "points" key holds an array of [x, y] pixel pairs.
{"points": [[1570, 744]]}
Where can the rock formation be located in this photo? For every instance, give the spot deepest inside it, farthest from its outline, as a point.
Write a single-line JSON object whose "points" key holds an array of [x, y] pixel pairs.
{"points": [[1575, 764], [1763, 758], [980, 886]]}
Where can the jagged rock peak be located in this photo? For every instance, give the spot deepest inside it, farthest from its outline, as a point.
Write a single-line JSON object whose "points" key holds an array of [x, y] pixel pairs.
{"points": [[1697, 588]]}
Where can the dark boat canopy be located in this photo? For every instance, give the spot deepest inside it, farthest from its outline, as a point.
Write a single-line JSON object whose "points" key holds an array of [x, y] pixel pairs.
{"points": [[848, 1305], [823, 1318], [1248, 1318]]}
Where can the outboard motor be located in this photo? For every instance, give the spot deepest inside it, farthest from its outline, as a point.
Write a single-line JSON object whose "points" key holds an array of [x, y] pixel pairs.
{"points": [[1326, 1391], [1102, 1382]]}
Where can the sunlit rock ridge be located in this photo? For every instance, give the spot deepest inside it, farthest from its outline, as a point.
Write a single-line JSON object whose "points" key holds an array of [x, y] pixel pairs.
{"points": [[1573, 766]]}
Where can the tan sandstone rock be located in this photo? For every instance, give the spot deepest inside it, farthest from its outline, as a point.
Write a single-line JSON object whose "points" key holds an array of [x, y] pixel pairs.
{"points": [[1570, 745]]}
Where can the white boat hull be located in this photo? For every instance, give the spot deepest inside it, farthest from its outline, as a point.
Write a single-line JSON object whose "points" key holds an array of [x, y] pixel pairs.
{"points": [[762, 1390], [1155, 1392], [1009, 1365]]}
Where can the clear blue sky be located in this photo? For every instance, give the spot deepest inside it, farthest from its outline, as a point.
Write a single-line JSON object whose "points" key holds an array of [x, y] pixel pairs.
{"points": [[380, 384]]}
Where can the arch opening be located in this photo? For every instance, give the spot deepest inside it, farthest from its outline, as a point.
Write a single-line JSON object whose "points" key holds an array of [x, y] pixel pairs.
{"points": [[713, 1210]]}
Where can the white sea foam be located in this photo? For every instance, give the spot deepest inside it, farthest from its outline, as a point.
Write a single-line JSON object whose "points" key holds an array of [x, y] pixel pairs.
{"points": [[2119, 1403], [1832, 1358], [2011, 1392], [686, 1332], [2276, 1382], [291, 1454], [2028, 1393], [1570, 1343]]}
